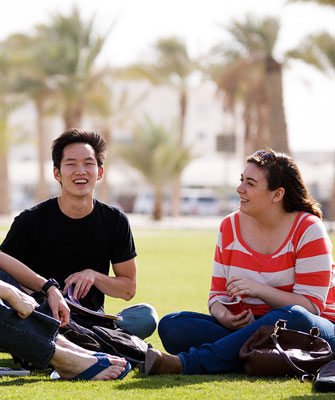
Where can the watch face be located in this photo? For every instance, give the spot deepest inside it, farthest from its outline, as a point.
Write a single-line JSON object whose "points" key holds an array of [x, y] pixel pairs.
{"points": [[54, 283]]}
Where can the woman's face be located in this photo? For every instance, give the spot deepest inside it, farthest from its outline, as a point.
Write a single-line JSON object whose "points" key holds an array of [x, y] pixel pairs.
{"points": [[253, 190]]}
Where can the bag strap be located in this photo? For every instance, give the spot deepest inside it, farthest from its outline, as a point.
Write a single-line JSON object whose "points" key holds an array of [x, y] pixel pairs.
{"points": [[304, 374]]}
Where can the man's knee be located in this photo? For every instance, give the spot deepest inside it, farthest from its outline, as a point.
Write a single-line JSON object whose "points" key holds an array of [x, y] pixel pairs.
{"points": [[140, 320]]}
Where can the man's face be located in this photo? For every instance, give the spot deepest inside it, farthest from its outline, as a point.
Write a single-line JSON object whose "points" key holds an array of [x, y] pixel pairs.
{"points": [[79, 170]]}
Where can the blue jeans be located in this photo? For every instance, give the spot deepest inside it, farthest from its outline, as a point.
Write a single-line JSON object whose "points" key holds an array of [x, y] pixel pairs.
{"points": [[32, 338], [205, 346]]}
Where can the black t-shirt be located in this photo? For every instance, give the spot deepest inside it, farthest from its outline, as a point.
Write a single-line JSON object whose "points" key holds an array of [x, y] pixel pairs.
{"points": [[55, 246]]}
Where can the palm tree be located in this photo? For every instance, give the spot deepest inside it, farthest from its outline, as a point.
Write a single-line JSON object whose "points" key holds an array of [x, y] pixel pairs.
{"points": [[70, 48], [250, 74], [172, 67], [320, 2], [318, 50], [8, 102], [32, 81], [113, 107], [153, 152], [56, 71]]}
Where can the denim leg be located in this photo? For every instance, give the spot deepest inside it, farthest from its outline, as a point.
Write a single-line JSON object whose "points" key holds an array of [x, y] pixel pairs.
{"points": [[304, 320], [223, 355], [182, 330], [140, 320], [31, 338]]}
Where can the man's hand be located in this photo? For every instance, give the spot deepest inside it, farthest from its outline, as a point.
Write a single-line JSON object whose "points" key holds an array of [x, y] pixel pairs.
{"points": [[58, 306], [83, 282]]}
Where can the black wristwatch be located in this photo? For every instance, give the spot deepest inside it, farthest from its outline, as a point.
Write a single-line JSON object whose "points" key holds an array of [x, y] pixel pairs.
{"points": [[47, 285]]}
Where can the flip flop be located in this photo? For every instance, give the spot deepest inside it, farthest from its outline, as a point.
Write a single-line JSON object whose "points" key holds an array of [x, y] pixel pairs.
{"points": [[102, 363]]}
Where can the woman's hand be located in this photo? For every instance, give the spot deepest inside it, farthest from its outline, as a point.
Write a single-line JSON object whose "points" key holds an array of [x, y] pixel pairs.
{"points": [[242, 286], [229, 320], [273, 297]]}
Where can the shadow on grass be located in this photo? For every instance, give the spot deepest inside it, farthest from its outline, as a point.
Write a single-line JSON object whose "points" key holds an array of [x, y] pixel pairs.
{"points": [[16, 382], [140, 381], [314, 395]]}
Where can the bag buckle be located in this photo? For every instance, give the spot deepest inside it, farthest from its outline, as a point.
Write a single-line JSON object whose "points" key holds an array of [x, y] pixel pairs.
{"points": [[315, 331], [280, 324]]}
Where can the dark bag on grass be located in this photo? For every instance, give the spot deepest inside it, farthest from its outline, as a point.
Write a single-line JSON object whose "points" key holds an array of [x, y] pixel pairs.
{"points": [[277, 351], [325, 378], [89, 320], [106, 340]]}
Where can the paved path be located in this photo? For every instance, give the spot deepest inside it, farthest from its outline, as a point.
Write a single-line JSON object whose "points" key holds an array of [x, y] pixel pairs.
{"points": [[146, 222]]}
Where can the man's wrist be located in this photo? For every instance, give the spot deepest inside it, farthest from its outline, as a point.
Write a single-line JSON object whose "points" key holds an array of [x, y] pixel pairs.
{"points": [[49, 284]]}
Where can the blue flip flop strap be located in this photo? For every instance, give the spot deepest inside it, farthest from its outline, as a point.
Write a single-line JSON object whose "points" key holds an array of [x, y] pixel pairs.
{"points": [[127, 368], [89, 373]]}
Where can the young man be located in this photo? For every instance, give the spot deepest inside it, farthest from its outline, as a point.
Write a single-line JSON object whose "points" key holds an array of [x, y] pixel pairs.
{"points": [[74, 238], [28, 331]]}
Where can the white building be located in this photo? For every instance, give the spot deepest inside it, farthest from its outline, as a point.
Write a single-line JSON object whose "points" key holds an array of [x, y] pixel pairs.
{"points": [[216, 139]]}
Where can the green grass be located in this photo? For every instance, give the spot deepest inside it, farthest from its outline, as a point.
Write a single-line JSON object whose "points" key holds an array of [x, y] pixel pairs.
{"points": [[174, 269]]}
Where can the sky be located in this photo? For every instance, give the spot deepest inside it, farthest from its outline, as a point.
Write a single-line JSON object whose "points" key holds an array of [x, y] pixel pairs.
{"points": [[309, 96]]}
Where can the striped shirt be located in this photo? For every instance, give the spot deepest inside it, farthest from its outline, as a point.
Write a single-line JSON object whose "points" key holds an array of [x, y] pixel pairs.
{"points": [[302, 265]]}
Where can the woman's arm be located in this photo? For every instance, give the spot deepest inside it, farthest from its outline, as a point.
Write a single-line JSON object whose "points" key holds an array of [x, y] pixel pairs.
{"points": [[271, 296], [312, 272]]}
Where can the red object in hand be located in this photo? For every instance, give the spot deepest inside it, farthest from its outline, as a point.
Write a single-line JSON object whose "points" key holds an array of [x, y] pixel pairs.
{"points": [[236, 306]]}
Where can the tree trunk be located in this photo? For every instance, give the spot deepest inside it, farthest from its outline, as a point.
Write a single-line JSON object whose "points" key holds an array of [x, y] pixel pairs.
{"points": [[103, 185], [276, 114], [158, 203], [41, 190], [331, 202], [262, 134], [4, 179], [73, 116], [176, 185], [4, 182], [248, 146]]}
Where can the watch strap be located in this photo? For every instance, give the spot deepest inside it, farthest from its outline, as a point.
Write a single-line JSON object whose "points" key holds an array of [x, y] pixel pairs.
{"points": [[47, 286]]}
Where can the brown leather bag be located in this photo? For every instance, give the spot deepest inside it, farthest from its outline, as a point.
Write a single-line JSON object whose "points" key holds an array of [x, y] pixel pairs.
{"points": [[277, 351]]}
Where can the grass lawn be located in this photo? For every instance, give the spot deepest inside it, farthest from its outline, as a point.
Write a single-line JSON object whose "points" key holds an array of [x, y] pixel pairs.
{"points": [[174, 274]]}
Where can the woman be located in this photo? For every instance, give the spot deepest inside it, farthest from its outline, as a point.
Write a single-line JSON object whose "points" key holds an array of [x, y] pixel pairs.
{"points": [[30, 331], [274, 253]]}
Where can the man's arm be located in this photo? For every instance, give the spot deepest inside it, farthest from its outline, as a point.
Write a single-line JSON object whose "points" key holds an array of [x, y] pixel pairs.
{"points": [[122, 285], [20, 272], [28, 278]]}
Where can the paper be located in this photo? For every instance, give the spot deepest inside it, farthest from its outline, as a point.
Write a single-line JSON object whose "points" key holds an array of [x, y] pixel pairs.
{"points": [[75, 305]]}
